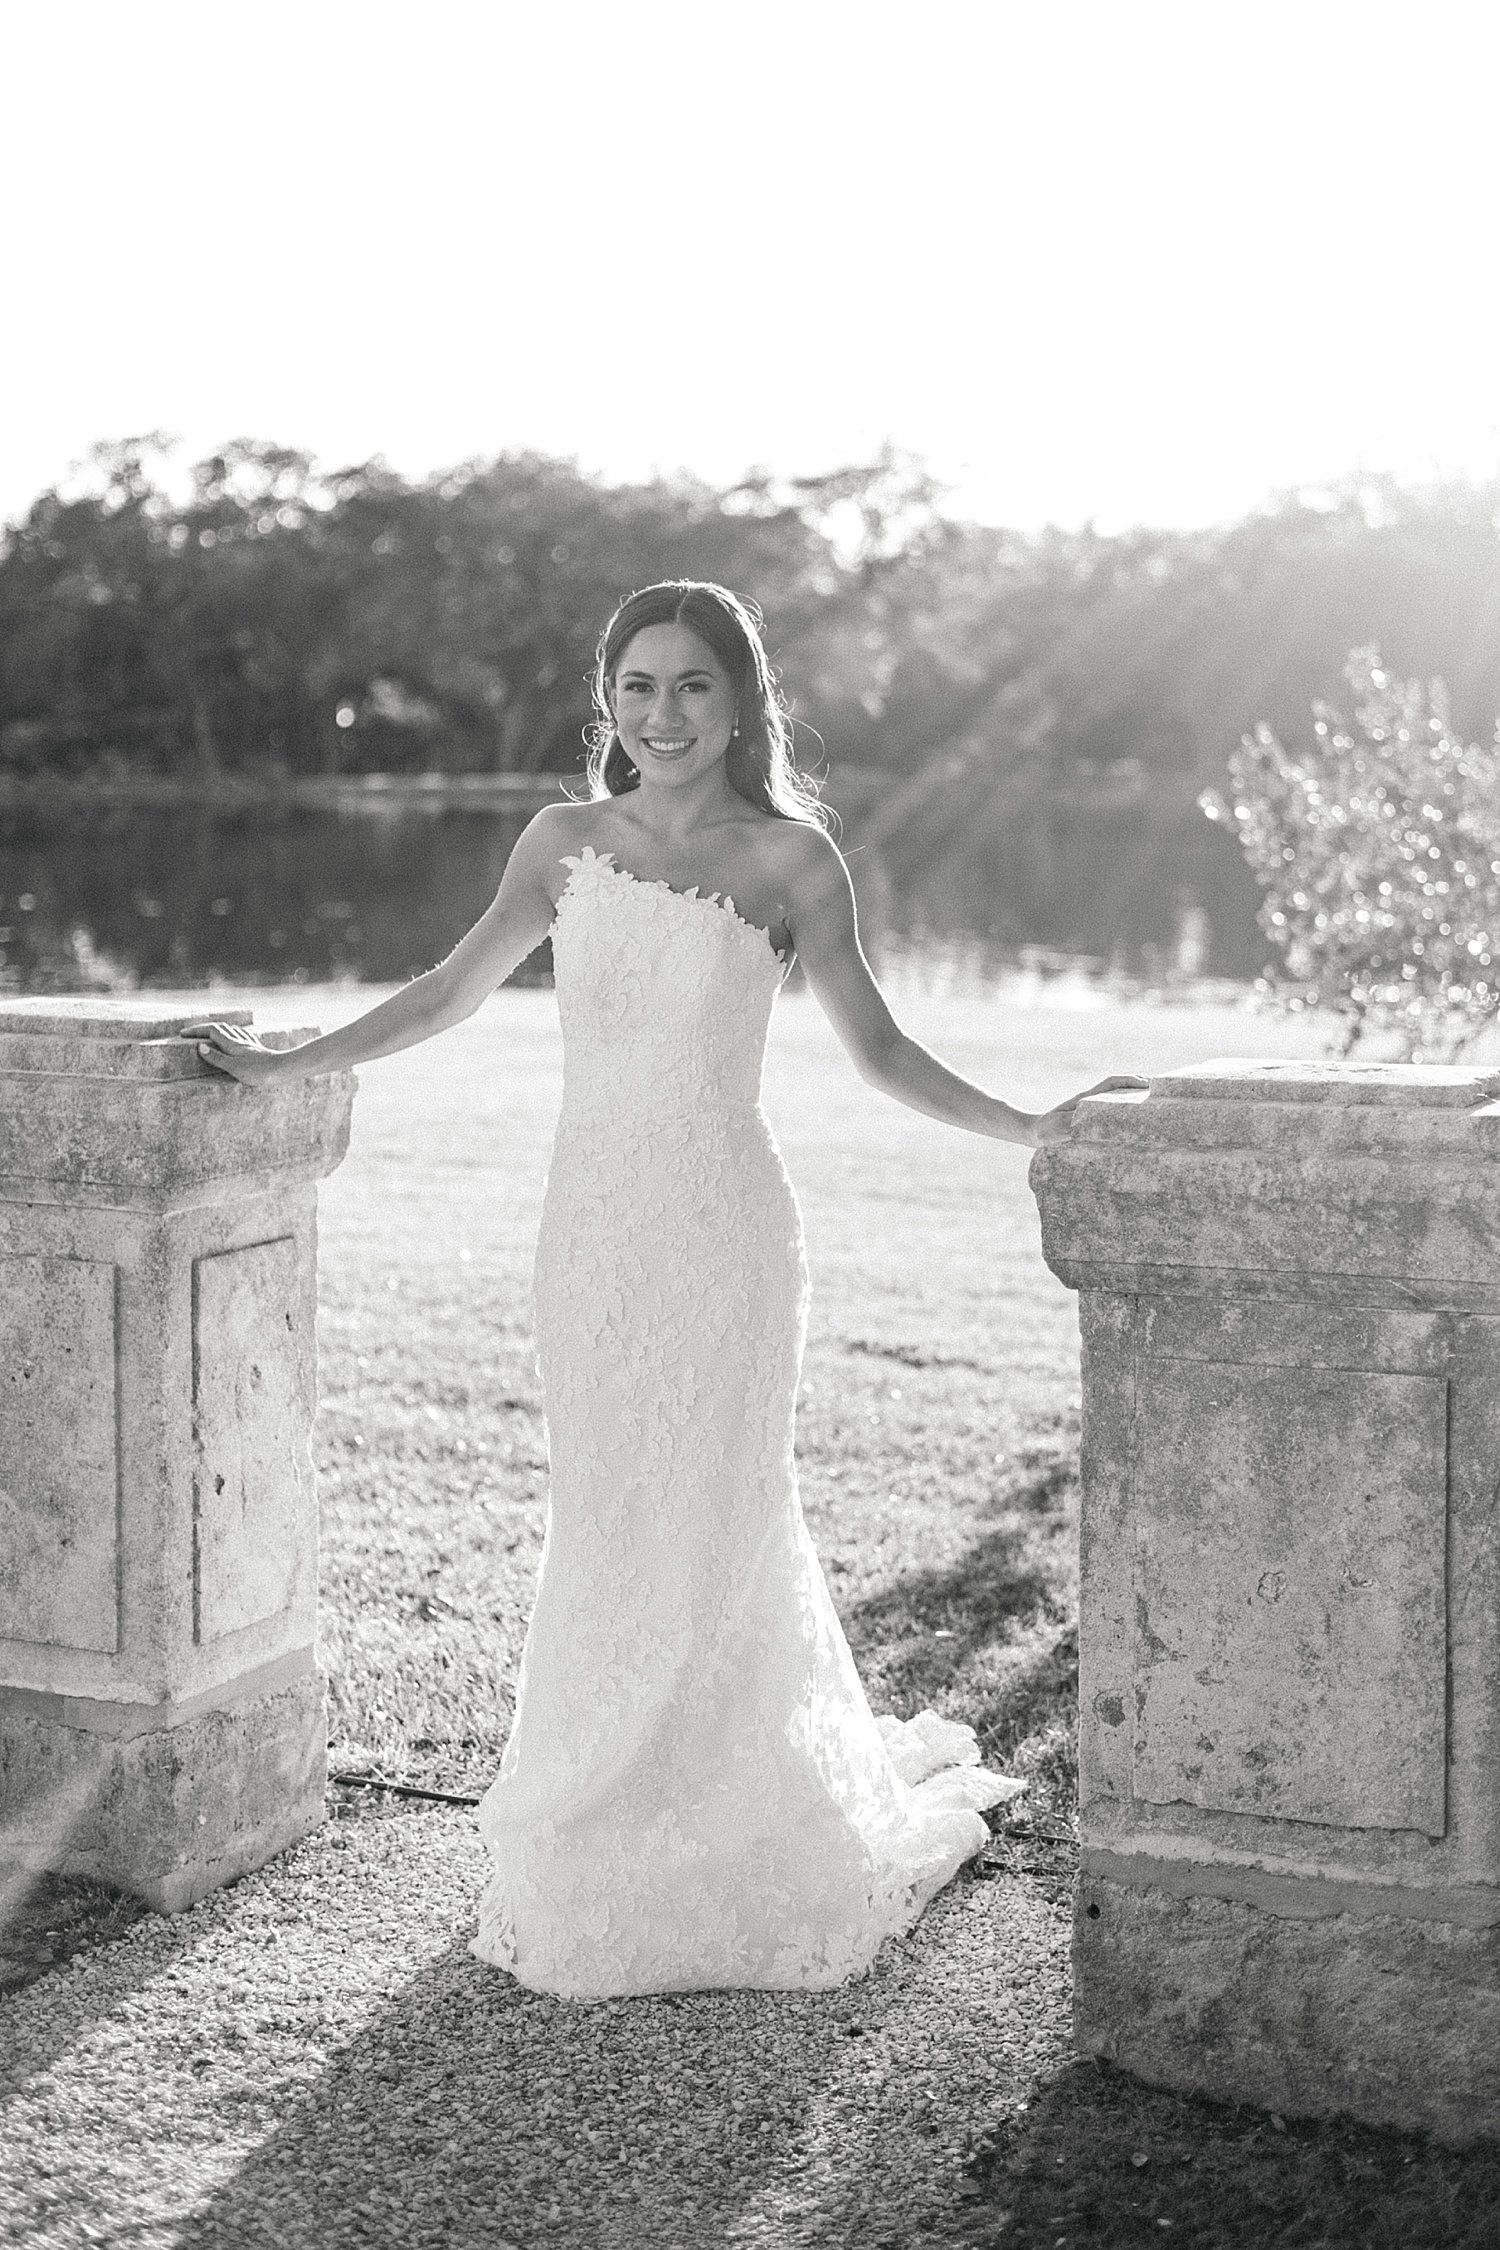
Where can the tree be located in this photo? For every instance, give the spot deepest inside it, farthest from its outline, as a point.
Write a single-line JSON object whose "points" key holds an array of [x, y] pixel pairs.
{"points": [[1377, 844]]}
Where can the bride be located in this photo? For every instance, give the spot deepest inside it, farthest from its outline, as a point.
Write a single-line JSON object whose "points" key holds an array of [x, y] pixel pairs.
{"points": [[695, 1792]]}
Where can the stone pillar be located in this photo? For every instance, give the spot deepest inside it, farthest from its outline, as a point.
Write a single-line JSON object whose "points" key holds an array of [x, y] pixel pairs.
{"points": [[161, 1713], [1289, 1758]]}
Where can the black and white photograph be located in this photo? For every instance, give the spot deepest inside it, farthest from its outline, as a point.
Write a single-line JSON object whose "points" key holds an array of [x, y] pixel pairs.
{"points": [[750, 1126]]}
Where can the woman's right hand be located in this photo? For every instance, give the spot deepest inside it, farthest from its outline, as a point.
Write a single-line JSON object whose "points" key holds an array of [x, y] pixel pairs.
{"points": [[1055, 1125], [238, 1053]]}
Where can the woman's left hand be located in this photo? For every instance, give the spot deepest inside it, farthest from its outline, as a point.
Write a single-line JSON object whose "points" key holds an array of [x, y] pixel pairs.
{"points": [[237, 1052], [1057, 1124]]}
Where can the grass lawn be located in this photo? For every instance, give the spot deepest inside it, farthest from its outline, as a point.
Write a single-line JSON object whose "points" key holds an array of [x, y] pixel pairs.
{"points": [[937, 1443]]}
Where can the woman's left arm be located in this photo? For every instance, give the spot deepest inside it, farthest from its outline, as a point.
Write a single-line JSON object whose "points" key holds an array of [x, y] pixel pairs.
{"points": [[821, 918]]}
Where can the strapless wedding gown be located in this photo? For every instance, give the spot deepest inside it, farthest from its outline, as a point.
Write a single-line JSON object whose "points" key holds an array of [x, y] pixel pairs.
{"points": [[694, 1792]]}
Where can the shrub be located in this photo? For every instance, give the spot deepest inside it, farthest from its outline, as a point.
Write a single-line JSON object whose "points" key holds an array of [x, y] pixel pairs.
{"points": [[1377, 844]]}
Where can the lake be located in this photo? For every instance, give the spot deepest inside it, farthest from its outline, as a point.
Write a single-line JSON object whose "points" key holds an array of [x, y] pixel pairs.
{"points": [[378, 885]]}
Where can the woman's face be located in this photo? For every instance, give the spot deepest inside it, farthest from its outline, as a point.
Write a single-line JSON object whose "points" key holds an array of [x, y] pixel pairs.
{"points": [[674, 704]]}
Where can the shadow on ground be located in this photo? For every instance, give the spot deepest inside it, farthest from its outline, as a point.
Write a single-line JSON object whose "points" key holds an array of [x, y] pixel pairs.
{"points": [[520, 2147], [394, 2147], [1097, 2162], [988, 1637], [46, 1919], [974, 1604], [47, 1923]]}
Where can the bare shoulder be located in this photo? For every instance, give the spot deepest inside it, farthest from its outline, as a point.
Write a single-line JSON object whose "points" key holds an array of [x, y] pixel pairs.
{"points": [[569, 824], [550, 836], [808, 865]]}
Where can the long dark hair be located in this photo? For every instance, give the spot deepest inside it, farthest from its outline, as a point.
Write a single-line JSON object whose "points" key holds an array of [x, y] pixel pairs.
{"points": [[760, 763]]}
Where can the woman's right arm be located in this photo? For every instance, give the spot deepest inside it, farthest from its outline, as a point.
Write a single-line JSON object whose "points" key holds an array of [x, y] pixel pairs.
{"points": [[511, 927]]}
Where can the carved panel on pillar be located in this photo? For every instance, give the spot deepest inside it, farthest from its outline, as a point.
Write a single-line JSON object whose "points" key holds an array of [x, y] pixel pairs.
{"points": [[59, 1469], [1290, 1615], [250, 1420]]}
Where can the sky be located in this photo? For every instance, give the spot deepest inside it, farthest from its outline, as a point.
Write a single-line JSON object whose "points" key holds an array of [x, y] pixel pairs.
{"points": [[1144, 263]]}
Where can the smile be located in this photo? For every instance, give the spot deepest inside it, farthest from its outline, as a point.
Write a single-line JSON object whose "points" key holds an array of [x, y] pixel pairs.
{"points": [[667, 746]]}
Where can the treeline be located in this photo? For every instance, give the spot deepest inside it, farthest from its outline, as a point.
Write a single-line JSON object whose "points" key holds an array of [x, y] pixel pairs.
{"points": [[1005, 693], [282, 619]]}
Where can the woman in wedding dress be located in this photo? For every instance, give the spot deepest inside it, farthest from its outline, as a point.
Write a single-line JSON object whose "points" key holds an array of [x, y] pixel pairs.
{"points": [[695, 1792]]}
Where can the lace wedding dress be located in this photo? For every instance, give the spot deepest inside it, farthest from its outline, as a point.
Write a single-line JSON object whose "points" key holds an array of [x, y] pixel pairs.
{"points": [[694, 1792]]}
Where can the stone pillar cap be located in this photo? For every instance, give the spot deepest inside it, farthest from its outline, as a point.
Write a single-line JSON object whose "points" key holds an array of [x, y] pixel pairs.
{"points": [[102, 1101], [1394, 1085], [1246, 1169], [93, 1038], [89, 1017], [1358, 1105]]}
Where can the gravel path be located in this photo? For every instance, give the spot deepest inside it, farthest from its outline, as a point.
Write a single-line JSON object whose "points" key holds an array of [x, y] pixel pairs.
{"points": [[313, 2060]]}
